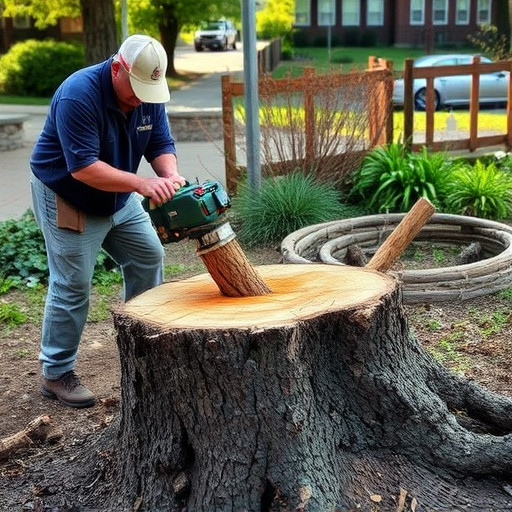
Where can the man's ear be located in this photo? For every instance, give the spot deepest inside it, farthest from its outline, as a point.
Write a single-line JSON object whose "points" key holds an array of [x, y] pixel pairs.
{"points": [[116, 66]]}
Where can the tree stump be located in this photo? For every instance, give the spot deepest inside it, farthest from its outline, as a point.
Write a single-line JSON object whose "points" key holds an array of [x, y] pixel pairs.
{"points": [[313, 397]]}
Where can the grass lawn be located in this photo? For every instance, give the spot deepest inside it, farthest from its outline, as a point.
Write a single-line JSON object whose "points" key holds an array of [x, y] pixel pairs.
{"points": [[487, 121], [8, 99], [348, 58]]}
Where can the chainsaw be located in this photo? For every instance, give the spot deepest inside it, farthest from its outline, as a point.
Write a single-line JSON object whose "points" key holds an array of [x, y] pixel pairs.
{"points": [[195, 209]]}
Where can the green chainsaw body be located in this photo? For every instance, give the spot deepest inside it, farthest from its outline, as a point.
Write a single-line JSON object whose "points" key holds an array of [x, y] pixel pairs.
{"points": [[193, 207]]}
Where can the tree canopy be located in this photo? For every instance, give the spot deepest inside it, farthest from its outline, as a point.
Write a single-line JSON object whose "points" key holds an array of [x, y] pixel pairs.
{"points": [[162, 19]]}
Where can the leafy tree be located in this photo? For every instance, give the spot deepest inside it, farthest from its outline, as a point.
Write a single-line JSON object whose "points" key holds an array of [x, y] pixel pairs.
{"points": [[275, 19], [167, 17], [98, 19], [162, 19]]}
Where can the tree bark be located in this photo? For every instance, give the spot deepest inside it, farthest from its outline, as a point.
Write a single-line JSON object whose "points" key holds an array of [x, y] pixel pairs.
{"points": [[313, 397], [228, 265], [169, 27], [99, 30]]}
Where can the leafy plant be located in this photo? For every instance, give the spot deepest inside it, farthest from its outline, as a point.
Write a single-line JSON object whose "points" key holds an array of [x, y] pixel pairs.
{"points": [[11, 314], [23, 258], [22, 250], [489, 41], [36, 68], [282, 205], [480, 191], [393, 179]]}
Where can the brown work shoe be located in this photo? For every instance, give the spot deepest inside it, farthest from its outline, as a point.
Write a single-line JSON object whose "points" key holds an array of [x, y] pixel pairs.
{"points": [[68, 390]]}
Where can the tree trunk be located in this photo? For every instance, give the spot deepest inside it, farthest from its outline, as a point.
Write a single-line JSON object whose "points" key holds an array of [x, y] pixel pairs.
{"points": [[99, 30], [169, 31], [313, 397]]}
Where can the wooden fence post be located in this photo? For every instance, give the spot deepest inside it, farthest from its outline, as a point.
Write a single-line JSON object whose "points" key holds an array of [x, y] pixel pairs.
{"points": [[408, 103], [473, 105], [380, 105]]}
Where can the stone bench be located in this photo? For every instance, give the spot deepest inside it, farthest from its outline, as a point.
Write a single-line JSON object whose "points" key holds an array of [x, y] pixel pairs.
{"points": [[196, 125], [11, 131]]}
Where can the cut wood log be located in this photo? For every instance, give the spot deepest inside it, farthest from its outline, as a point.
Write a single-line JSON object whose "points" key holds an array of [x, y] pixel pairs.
{"points": [[402, 236], [39, 430], [228, 265]]}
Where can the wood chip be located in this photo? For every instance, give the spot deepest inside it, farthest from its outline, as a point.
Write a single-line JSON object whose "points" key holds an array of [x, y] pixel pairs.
{"points": [[401, 501]]}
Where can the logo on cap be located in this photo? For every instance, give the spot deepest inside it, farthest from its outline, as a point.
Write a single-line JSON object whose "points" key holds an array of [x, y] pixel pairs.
{"points": [[157, 73]]}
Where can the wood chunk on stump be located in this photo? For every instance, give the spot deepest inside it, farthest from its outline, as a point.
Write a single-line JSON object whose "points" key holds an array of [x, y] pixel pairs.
{"points": [[309, 398], [228, 265]]}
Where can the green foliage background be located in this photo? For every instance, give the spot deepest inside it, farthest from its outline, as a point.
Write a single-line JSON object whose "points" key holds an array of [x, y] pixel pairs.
{"points": [[37, 68]]}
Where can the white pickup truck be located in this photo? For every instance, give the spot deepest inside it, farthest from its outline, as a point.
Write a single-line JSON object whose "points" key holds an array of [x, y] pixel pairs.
{"points": [[216, 35]]}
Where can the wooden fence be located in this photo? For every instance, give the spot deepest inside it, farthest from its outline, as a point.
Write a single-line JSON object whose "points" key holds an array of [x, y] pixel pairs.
{"points": [[474, 141], [269, 56], [378, 105]]}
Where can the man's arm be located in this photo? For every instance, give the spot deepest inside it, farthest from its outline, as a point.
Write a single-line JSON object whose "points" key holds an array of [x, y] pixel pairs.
{"points": [[102, 176], [166, 166]]}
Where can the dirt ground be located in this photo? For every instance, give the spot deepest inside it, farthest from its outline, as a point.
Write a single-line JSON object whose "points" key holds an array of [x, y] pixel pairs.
{"points": [[473, 338]]}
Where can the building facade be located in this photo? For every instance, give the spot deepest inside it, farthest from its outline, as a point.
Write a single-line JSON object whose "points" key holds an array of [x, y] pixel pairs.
{"points": [[20, 28], [405, 23]]}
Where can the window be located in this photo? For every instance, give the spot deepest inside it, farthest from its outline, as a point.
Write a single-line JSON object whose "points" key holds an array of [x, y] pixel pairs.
{"points": [[462, 12], [302, 12], [21, 21], [440, 12], [350, 13], [417, 12], [484, 12], [326, 13], [375, 14]]}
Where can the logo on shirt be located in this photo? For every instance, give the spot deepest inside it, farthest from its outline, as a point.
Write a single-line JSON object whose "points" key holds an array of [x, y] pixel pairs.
{"points": [[146, 124]]}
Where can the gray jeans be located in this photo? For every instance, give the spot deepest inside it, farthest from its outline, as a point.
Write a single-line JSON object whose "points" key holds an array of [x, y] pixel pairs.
{"points": [[127, 236]]}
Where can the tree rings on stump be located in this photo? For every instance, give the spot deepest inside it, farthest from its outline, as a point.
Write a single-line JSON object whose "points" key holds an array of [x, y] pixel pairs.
{"points": [[297, 292]]}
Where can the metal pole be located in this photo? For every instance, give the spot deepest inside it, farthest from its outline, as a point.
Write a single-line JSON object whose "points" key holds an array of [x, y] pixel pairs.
{"points": [[252, 124]]}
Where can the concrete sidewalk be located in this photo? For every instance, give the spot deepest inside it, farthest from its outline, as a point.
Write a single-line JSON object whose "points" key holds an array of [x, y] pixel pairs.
{"points": [[197, 160]]}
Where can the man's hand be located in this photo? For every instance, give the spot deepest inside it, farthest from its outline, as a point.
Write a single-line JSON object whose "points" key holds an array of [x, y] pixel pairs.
{"points": [[160, 190]]}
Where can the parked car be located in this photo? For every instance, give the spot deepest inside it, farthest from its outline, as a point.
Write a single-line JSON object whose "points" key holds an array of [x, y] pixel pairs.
{"points": [[453, 90], [216, 35]]}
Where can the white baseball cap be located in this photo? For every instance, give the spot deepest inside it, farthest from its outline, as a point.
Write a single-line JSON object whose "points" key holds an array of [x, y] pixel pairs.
{"points": [[146, 62]]}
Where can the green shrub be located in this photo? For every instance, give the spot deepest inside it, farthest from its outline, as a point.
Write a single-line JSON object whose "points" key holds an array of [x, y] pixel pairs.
{"points": [[392, 179], [369, 38], [481, 190], [300, 38], [282, 205], [22, 250], [11, 315], [502, 160], [286, 53], [36, 68], [23, 255]]}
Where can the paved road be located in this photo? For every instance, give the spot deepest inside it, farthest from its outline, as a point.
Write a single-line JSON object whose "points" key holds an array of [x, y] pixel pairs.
{"points": [[201, 160], [187, 59]]}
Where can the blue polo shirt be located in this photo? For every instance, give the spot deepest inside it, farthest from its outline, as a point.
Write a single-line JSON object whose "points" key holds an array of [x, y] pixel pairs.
{"points": [[84, 125]]}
